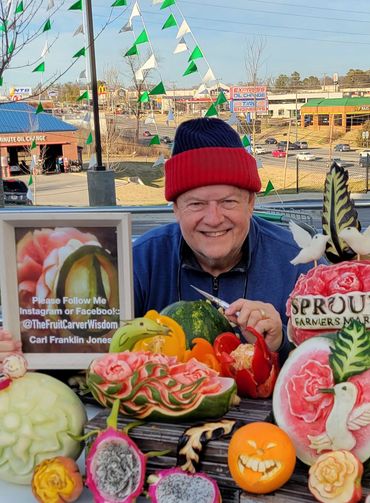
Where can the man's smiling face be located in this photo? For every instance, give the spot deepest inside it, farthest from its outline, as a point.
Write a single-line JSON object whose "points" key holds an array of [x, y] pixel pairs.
{"points": [[214, 222]]}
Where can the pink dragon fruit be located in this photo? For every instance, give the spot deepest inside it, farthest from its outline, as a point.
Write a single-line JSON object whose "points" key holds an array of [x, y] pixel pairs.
{"points": [[174, 485], [115, 466]]}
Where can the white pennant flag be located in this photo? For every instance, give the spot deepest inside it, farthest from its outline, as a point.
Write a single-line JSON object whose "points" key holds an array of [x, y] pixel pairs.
{"points": [[50, 4], [86, 118], [181, 46], [93, 162], [135, 12], [155, 2], [45, 50], [161, 160], [149, 120], [139, 74], [126, 27], [79, 29], [202, 89], [33, 163], [29, 194], [184, 28], [149, 63], [233, 119], [82, 75], [209, 77], [170, 116]]}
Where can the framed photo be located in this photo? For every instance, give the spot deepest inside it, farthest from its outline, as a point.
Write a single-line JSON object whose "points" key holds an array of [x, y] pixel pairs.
{"points": [[66, 284]]}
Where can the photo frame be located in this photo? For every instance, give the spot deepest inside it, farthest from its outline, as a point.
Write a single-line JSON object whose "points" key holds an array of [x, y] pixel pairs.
{"points": [[66, 283]]}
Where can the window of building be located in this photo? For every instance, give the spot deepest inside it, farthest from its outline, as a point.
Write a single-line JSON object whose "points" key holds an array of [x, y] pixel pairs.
{"points": [[323, 119], [281, 112], [337, 119], [308, 120]]}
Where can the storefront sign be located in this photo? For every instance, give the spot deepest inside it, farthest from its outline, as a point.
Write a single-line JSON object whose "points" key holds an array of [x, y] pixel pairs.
{"points": [[22, 139], [66, 284]]}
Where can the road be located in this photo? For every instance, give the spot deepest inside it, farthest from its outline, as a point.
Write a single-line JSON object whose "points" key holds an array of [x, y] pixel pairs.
{"points": [[70, 190]]}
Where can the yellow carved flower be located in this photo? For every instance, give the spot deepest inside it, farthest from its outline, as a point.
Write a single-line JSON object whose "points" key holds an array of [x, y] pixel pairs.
{"points": [[57, 480]]}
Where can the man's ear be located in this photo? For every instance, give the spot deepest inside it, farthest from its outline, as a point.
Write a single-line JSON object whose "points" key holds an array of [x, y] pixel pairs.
{"points": [[176, 210]]}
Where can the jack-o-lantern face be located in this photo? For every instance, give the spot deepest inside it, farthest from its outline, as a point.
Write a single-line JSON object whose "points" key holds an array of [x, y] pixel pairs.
{"points": [[261, 457]]}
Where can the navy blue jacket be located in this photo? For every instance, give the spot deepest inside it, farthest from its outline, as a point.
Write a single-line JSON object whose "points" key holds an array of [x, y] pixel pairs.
{"points": [[164, 269]]}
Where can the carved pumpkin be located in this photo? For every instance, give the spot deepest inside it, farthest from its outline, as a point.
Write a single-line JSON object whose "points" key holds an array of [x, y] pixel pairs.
{"points": [[261, 457]]}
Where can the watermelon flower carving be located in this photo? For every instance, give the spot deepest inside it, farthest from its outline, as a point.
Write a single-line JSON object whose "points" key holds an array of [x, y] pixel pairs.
{"points": [[157, 386]]}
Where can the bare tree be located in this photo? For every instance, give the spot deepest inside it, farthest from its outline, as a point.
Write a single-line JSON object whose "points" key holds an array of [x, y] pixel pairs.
{"points": [[17, 24], [253, 60], [138, 109]]}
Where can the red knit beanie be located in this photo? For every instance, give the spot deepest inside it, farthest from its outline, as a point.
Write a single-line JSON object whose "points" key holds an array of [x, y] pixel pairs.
{"points": [[208, 152]]}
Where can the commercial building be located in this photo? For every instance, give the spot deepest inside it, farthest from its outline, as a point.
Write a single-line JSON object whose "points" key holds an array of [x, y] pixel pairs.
{"points": [[21, 128], [342, 114]]}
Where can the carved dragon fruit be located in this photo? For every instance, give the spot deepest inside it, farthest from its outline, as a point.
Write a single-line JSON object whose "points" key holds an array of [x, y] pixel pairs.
{"points": [[115, 466], [174, 485]]}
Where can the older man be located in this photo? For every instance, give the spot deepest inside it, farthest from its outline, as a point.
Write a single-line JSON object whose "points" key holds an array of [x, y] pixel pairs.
{"points": [[217, 244]]}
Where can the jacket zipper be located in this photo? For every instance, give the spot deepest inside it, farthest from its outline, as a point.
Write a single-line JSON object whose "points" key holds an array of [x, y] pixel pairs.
{"points": [[215, 285]]}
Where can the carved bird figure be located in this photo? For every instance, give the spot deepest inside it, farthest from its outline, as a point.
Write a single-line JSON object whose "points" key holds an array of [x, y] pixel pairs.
{"points": [[359, 242], [313, 247], [342, 420]]}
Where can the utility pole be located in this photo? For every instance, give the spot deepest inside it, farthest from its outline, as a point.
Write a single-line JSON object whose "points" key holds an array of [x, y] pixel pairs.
{"points": [[100, 182]]}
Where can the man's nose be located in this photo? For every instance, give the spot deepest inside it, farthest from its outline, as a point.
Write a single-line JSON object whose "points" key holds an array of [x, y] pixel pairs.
{"points": [[213, 214]]}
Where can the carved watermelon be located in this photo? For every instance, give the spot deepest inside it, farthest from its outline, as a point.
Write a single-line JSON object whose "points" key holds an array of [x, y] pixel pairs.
{"points": [[156, 387], [198, 318], [322, 395]]}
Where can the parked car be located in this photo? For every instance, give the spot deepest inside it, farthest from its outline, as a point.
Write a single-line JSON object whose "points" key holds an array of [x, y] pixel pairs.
{"points": [[341, 163], [15, 192], [147, 133], [15, 169], [364, 159], [342, 147], [271, 141], [283, 144], [301, 144], [278, 153], [166, 139], [260, 149], [305, 156]]}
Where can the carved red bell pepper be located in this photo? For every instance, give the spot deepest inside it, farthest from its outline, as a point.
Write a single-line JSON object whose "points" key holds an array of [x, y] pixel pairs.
{"points": [[253, 366]]}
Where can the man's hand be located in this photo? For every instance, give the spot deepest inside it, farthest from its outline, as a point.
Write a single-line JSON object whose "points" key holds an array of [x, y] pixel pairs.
{"points": [[261, 316]]}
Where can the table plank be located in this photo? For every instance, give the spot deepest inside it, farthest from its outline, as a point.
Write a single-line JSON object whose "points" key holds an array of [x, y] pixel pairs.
{"points": [[163, 436]]}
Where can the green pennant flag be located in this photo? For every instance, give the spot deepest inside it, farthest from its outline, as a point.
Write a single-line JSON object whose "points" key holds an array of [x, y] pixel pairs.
{"points": [[1, 81], [269, 188], [39, 68], [211, 111], [196, 54], [245, 141], [142, 38], [221, 98], [132, 51], [155, 140], [39, 108], [19, 8], [81, 52], [143, 97], [171, 21], [89, 139], [119, 3], [167, 3], [158, 89], [76, 6], [4, 26], [83, 96], [30, 181], [11, 47], [47, 26], [190, 69], [33, 144]]}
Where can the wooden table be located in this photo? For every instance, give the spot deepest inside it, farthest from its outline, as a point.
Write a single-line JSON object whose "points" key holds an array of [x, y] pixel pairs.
{"points": [[164, 436]]}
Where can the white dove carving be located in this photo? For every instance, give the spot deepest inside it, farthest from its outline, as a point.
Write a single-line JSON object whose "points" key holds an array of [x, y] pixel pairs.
{"points": [[342, 420], [313, 247], [360, 243]]}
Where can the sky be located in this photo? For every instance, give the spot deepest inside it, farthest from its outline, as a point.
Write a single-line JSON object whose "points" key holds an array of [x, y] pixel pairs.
{"points": [[310, 37]]}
